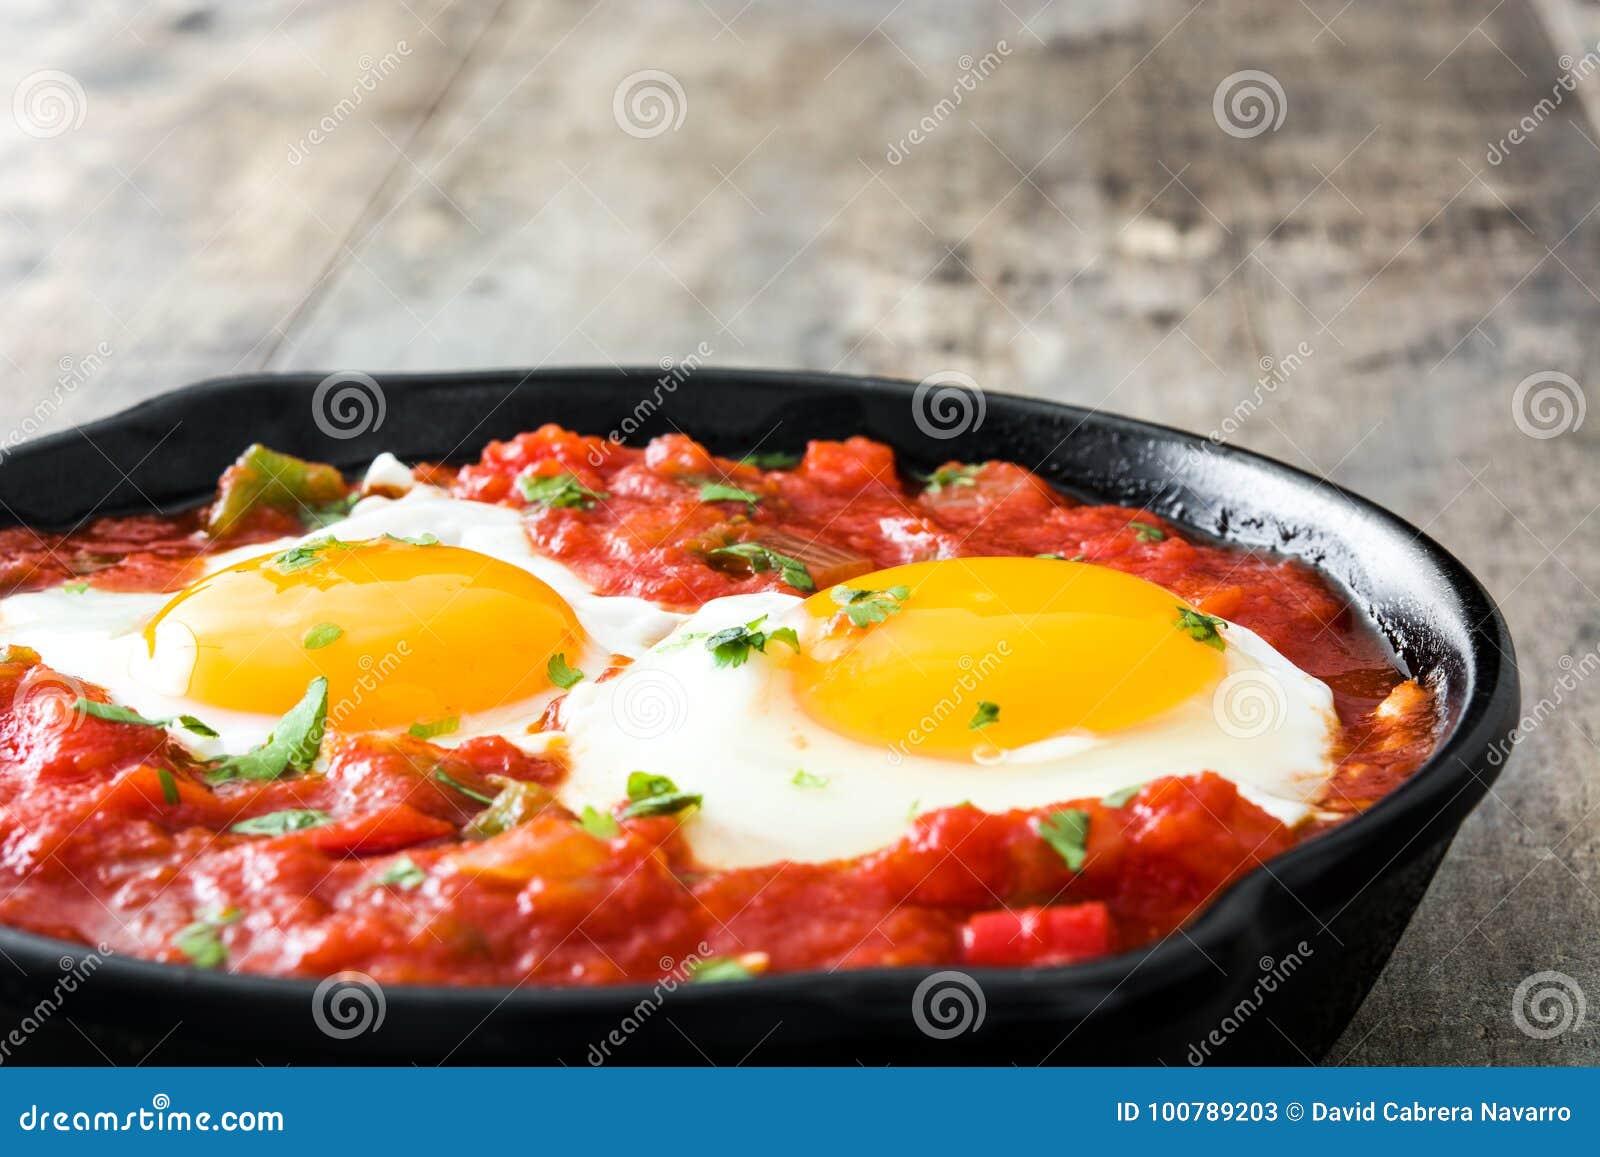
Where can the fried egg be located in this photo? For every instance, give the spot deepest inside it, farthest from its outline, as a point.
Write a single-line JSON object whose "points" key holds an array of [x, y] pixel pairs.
{"points": [[415, 609], [1003, 682]]}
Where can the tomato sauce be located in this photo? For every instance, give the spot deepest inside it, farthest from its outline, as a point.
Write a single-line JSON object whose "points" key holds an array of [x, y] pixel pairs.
{"points": [[110, 832]]}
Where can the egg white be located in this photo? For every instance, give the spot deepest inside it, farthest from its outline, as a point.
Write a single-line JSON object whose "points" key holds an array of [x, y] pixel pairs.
{"points": [[737, 736], [95, 636]]}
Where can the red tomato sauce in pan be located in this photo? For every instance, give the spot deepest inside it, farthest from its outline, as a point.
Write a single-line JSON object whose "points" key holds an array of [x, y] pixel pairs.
{"points": [[110, 833]]}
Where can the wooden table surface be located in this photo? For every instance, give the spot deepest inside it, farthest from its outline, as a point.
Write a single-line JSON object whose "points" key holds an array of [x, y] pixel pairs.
{"points": [[1355, 267]]}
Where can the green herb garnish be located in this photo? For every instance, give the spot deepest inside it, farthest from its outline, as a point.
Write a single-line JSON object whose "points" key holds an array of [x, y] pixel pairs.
{"points": [[656, 795], [1068, 833], [952, 476], [1057, 557], [415, 540], [322, 517], [1121, 797], [986, 714], [114, 714], [400, 874], [732, 646], [292, 746], [1144, 532], [771, 460], [516, 803], [76, 588], [169, 786], [763, 558], [867, 607], [601, 825], [321, 635], [562, 675], [561, 491], [282, 823], [448, 780], [803, 778], [722, 492], [201, 941], [298, 558], [1202, 628], [438, 727], [718, 969]]}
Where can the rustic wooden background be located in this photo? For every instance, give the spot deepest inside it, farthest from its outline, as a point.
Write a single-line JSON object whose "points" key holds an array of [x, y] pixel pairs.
{"points": [[1080, 226]]}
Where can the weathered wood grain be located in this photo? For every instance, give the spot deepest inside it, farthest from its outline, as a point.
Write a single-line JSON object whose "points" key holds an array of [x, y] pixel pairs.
{"points": [[1360, 290]]}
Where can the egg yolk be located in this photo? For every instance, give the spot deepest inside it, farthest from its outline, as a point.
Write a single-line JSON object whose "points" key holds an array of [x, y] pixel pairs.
{"points": [[403, 633], [986, 653]]}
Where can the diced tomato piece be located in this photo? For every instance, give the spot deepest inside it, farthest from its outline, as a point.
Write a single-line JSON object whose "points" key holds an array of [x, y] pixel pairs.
{"points": [[1037, 935]]}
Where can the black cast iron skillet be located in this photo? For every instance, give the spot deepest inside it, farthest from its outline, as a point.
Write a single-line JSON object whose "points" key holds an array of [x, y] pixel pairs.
{"points": [[1270, 973]]}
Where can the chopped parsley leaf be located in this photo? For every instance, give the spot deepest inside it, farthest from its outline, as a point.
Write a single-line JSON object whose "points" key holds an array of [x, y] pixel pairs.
{"points": [[400, 874], [443, 726], [201, 941], [866, 607], [1068, 833], [803, 778], [717, 969], [448, 780], [957, 475], [601, 825], [562, 491], [169, 786], [771, 460], [1144, 532], [656, 795], [114, 714], [292, 746], [562, 675], [1121, 797], [321, 635], [732, 646], [76, 588], [762, 558], [415, 540], [282, 823], [1202, 628], [986, 714], [298, 558], [721, 492], [1057, 557]]}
